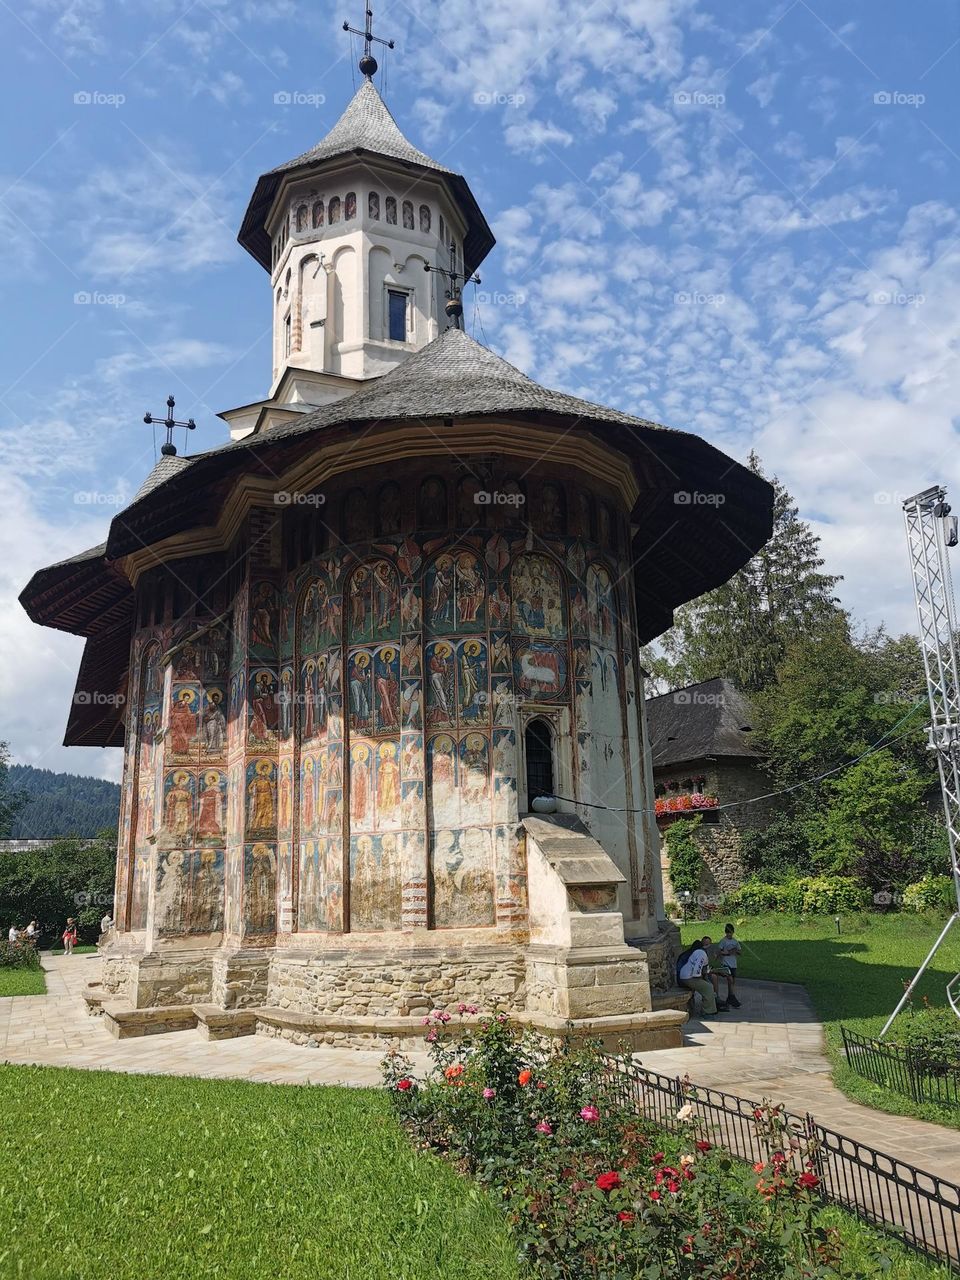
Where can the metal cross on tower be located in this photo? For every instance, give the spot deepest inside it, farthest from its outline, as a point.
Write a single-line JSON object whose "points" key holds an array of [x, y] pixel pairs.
{"points": [[368, 63], [931, 529], [169, 449], [455, 279]]}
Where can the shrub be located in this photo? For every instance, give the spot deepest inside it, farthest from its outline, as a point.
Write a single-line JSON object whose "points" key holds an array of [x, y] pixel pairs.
{"points": [[18, 955], [932, 1037], [805, 895], [932, 893], [777, 851], [591, 1190], [686, 861]]}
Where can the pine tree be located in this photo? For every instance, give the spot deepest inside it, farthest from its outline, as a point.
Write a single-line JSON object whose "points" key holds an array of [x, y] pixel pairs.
{"points": [[742, 629], [11, 799]]}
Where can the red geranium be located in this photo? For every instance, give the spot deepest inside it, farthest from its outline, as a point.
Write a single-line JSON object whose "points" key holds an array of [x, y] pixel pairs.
{"points": [[625, 1217], [404, 1084], [524, 1077], [609, 1181]]}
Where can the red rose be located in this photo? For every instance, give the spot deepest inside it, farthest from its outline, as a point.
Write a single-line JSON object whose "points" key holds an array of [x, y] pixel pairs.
{"points": [[808, 1181], [624, 1216], [608, 1181], [654, 1195], [525, 1077], [703, 1146], [404, 1084], [657, 1158]]}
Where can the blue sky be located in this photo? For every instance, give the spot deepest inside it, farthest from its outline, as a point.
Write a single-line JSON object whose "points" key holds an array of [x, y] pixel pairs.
{"points": [[736, 218]]}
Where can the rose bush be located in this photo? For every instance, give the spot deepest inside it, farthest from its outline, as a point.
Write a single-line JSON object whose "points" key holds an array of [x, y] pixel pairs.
{"points": [[591, 1189]]}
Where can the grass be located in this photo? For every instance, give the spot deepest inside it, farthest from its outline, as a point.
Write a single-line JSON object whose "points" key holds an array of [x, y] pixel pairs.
{"points": [[855, 978], [22, 982], [104, 1174]]}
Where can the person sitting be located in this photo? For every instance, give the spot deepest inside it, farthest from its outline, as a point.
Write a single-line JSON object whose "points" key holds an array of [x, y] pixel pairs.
{"points": [[691, 973], [32, 933]]}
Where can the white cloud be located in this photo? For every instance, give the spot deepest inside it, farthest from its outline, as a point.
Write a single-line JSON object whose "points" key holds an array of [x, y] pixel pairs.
{"points": [[530, 136]]}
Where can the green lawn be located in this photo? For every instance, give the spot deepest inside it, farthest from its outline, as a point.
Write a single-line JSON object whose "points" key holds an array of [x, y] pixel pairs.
{"points": [[856, 978], [22, 982], [146, 1176]]}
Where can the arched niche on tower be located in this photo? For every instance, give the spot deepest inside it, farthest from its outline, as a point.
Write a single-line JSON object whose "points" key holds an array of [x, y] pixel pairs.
{"points": [[346, 310]]}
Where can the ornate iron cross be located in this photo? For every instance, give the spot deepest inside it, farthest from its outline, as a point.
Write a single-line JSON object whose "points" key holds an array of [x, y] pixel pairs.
{"points": [[169, 449], [368, 63], [455, 280]]}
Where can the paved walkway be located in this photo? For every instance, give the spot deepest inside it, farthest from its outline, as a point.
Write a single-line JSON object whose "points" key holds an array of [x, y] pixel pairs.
{"points": [[57, 1030], [771, 1048]]}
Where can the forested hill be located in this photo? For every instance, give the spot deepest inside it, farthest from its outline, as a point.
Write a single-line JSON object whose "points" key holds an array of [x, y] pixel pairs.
{"points": [[62, 804]]}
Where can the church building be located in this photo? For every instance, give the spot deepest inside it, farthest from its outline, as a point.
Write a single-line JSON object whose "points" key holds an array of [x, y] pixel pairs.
{"points": [[374, 660]]}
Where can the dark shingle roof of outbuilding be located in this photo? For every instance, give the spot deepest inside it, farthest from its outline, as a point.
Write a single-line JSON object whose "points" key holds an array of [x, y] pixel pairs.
{"points": [[712, 718], [365, 128]]}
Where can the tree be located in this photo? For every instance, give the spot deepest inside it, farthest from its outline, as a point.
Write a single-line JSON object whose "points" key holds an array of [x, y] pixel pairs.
{"points": [[743, 628], [70, 878], [11, 799]]}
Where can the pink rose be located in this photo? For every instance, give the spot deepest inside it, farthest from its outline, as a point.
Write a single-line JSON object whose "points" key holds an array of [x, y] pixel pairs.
{"points": [[589, 1113], [544, 1127], [489, 1094]]}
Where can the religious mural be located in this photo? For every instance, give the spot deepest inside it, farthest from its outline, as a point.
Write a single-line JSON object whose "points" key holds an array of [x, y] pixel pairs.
{"points": [[370, 728]]}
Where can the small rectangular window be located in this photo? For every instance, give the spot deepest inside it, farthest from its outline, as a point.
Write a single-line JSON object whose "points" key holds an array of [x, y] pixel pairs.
{"points": [[398, 315], [286, 335]]}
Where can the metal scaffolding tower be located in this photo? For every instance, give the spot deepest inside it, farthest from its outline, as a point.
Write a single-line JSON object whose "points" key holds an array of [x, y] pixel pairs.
{"points": [[931, 529]]}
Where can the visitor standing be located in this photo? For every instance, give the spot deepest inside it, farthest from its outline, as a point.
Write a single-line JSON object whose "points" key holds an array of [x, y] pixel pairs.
{"points": [[13, 935], [69, 936], [106, 924], [728, 950], [32, 933]]}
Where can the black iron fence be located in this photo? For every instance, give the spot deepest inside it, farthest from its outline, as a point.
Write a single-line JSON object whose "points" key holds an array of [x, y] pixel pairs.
{"points": [[919, 1208], [921, 1076]]}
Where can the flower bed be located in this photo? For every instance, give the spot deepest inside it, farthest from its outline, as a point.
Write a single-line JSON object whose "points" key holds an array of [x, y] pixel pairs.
{"points": [[591, 1189]]}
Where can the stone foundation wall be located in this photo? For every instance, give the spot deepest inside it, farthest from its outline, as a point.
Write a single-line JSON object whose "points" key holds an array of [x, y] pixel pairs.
{"points": [[159, 978], [661, 954], [720, 841], [397, 983], [239, 979]]}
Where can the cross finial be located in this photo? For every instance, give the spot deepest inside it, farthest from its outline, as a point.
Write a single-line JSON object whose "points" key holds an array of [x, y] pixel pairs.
{"points": [[368, 63], [455, 279], [169, 449]]}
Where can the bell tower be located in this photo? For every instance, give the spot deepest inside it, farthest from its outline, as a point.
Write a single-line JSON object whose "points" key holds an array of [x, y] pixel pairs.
{"points": [[366, 240]]}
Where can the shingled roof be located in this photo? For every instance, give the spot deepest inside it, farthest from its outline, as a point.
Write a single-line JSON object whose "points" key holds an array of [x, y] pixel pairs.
{"points": [[365, 128], [680, 550], [709, 719]]}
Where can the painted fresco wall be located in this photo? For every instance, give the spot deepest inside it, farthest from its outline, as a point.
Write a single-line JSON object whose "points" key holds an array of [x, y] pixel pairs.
{"points": [[345, 751]]}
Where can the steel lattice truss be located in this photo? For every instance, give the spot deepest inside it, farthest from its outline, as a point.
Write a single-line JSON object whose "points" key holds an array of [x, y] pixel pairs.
{"points": [[925, 517]]}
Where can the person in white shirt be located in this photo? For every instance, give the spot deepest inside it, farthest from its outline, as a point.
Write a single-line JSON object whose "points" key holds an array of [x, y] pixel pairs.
{"points": [[691, 975], [13, 934], [106, 924], [728, 950], [32, 931]]}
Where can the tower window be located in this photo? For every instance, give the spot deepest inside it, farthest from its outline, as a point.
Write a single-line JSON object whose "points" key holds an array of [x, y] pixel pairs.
{"points": [[425, 218], [318, 213], [408, 215], [397, 314], [350, 205], [373, 206], [333, 215], [302, 218], [539, 753], [392, 210], [287, 334]]}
